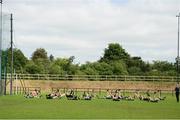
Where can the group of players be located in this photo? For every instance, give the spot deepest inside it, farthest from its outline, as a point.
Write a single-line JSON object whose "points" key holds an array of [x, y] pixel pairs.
{"points": [[115, 95], [70, 95]]}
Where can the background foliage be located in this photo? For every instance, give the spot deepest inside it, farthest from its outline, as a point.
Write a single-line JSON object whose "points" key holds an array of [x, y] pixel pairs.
{"points": [[115, 61]]}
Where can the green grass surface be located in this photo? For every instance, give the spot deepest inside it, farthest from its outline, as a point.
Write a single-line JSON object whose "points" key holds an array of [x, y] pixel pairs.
{"points": [[18, 107]]}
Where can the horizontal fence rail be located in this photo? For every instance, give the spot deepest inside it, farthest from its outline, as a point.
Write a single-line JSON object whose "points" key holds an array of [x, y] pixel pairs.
{"points": [[92, 77]]}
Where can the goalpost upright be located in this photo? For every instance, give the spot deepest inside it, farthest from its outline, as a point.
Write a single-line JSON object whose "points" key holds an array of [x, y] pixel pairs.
{"points": [[1, 83], [6, 39]]}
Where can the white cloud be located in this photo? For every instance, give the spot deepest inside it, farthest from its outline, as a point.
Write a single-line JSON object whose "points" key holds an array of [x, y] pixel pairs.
{"points": [[83, 28]]}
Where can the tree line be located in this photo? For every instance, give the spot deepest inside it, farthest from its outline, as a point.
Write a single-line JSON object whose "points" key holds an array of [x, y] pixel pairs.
{"points": [[115, 61]]}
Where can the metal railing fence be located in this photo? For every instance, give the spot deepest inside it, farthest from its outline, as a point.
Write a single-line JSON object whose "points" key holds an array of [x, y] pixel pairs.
{"points": [[93, 77]]}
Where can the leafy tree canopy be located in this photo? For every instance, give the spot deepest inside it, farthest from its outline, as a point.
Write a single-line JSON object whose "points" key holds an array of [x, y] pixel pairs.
{"points": [[19, 60], [115, 61], [40, 53], [114, 52]]}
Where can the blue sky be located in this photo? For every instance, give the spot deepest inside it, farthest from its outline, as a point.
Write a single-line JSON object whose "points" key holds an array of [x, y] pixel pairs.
{"points": [[84, 28]]}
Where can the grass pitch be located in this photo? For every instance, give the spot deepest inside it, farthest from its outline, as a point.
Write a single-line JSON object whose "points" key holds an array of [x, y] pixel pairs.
{"points": [[18, 107]]}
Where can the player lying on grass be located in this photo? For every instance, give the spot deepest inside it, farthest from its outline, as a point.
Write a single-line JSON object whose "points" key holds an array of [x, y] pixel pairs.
{"points": [[108, 94], [116, 95], [149, 98], [71, 96], [146, 97], [34, 94], [55, 95], [123, 97], [160, 97], [86, 96]]}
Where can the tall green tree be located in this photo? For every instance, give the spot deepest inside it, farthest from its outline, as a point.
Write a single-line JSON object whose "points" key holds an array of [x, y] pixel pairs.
{"points": [[103, 68], [119, 68], [136, 66], [19, 60], [39, 53], [89, 69], [65, 65], [163, 66], [56, 69], [114, 52], [33, 68], [40, 58]]}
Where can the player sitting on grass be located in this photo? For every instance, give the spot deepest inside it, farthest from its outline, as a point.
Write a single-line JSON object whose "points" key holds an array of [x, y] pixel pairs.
{"points": [[33, 94], [54, 95], [137, 94], [108, 94], [70, 95], [129, 98], [160, 97], [86, 96], [149, 98], [120, 96], [145, 97], [154, 98], [28, 95], [115, 97]]}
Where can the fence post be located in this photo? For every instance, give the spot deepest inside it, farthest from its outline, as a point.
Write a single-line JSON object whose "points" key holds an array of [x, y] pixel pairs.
{"points": [[19, 90], [99, 91], [123, 92], [172, 92], [38, 76], [16, 85]]}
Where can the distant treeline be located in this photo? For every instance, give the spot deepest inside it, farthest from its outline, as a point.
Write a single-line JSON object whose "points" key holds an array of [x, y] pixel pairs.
{"points": [[115, 61]]}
